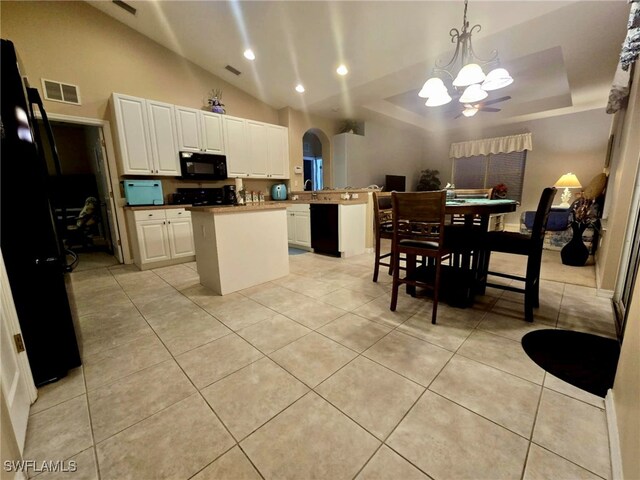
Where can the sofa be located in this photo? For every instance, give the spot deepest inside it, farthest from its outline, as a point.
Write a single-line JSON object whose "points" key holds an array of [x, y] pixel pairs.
{"points": [[559, 231]]}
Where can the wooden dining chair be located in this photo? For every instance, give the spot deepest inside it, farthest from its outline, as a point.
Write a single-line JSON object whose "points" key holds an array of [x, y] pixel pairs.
{"points": [[383, 228], [522, 244], [418, 231]]}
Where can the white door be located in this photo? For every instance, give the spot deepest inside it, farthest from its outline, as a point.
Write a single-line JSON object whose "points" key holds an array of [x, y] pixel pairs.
{"points": [[278, 152], [257, 143], [131, 120], [104, 178], [303, 229], [188, 126], [291, 227], [17, 384], [212, 132], [162, 136], [180, 237], [235, 143], [153, 241]]}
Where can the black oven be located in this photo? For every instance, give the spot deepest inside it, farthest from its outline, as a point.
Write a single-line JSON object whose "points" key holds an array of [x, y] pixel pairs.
{"points": [[203, 166]]}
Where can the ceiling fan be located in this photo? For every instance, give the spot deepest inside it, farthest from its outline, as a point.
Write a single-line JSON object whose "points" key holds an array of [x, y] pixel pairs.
{"points": [[470, 109]]}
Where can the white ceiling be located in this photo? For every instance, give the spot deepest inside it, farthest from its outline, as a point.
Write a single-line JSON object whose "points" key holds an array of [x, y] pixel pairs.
{"points": [[562, 54]]}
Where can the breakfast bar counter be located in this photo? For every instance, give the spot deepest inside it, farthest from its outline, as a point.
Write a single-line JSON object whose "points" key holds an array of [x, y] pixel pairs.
{"points": [[240, 246]]}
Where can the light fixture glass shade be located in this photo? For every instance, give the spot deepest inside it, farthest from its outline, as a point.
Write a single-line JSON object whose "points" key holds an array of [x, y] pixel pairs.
{"points": [[473, 93], [568, 180], [438, 99], [497, 78], [469, 111], [433, 86], [469, 74]]}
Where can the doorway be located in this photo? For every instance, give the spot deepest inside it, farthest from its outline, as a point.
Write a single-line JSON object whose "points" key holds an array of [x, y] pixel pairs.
{"points": [[82, 199], [312, 162]]}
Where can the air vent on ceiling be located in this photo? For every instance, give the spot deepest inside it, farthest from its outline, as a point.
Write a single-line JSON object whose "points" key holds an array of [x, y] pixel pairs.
{"points": [[125, 6], [235, 71], [60, 92]]}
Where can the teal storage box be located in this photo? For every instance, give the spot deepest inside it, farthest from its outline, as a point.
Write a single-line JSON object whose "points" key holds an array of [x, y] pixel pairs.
{"points": [[143, 192]]}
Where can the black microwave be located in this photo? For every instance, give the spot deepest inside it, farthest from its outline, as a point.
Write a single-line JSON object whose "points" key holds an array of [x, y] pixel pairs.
{"points": [[203, 166]]}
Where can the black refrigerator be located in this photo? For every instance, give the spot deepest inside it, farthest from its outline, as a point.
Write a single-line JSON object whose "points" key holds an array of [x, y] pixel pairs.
{"points": [[32, 252]]}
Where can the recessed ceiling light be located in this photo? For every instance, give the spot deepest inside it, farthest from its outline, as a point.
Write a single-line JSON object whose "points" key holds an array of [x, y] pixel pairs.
{"points": [[342, 70], [249, 55], [299, 88]]}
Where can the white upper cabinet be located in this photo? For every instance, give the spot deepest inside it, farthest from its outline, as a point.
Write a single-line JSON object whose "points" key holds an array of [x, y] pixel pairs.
{"points": [[235, 141], [146, 136], [277, 151], [162, 136], [257, 141], [199, 131], [133, 138]]}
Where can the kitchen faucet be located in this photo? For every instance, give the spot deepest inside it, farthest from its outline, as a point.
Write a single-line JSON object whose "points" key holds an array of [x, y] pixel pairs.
{"points": [[305, 183]]}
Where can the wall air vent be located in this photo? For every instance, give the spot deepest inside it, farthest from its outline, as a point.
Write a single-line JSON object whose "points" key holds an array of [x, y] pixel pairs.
{"points": [[235, 71], [125, 6], [61, 92]]}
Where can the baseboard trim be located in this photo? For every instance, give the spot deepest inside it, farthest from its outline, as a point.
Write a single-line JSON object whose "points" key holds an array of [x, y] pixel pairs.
{"points": [[600, 292], [614, 438]]}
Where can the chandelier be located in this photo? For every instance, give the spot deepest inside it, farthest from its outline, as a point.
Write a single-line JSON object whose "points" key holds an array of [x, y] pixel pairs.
{"points": [[470, 79]]}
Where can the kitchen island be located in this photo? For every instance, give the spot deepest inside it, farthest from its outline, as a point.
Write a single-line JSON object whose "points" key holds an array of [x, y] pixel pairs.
{"points": [[240, 246]]}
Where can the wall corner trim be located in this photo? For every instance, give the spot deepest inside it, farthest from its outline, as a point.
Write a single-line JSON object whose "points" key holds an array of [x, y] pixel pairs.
{"points": [[615, 453]]}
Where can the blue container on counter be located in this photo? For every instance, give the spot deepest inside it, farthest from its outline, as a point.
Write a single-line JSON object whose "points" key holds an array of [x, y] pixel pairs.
{"points": [[279, 192]]}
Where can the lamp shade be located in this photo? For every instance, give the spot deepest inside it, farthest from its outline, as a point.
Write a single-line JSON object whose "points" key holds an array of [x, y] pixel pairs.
{"points": [[438, 99], [568, 180], [497, 78], [433, 86], [469, 74], [473, 93]]}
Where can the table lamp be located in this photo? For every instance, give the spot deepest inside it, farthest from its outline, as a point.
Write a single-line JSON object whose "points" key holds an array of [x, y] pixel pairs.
{"points": [[568, 180]]}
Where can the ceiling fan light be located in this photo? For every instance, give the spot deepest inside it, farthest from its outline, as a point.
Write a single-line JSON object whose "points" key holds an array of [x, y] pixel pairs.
{"points": [[469, 74], [472, 94], [497, 78], [469, 111], [433, 86], [441, 98]]}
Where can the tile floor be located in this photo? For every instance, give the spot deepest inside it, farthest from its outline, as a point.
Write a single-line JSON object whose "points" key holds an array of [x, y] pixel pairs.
{"points": [[311, 376]]}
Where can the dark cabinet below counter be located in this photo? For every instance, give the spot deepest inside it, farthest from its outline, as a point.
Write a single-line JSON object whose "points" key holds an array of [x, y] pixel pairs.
{"points": [[324, 229]]}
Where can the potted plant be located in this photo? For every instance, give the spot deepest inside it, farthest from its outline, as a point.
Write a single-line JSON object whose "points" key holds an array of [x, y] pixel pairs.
{"points": [[500, 191], [429, 180], [349, 126]]}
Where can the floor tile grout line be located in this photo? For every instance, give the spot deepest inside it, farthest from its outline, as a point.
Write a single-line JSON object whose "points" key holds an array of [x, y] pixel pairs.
{"points": [[533, 428], [567, 459], [93, 437], [56, 404]]}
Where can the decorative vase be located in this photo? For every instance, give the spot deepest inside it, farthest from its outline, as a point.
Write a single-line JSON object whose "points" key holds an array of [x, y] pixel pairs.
{"points": [[575, 253]]}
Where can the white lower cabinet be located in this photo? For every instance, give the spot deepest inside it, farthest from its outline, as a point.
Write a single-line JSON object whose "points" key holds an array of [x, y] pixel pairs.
{"points": [[161, 237], [299, 225]]}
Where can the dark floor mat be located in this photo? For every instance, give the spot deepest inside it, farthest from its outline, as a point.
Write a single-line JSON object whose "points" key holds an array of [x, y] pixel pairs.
{"points": [[584, 360]]}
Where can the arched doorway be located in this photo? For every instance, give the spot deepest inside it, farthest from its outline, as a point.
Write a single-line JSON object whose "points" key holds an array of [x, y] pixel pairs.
{"points": [[314, 164]]}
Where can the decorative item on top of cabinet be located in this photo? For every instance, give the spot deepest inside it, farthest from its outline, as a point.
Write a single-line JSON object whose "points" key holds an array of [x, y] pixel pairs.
{"points": [[199, 131], [146, 133], [214, 102]]}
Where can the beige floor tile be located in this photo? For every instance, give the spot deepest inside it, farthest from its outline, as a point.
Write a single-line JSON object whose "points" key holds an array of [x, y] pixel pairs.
{"points": [[187, 330], [149, 295], [276, 297], [388, 465], [178, 276], [545, 465], [502, 353], [174, 443], [57, 392], [367, 286], [170, 304], [313, 358], [241, 314], [447, 441], [313, 313], [311, 439], [413, 358], [505, 324], [554, 383], [474, 386], [354, 331], [310, 287], [80, 467], [110, 365], [273, 333], [119, 405], [378, 311], [208, 299], [233, 465], [449, 332], [346, 299], [192, 265], [250, 397], [98, 303], [59, 432], [573, 430], [215, 360], [545, 314], [591, 323], [376, 398]]}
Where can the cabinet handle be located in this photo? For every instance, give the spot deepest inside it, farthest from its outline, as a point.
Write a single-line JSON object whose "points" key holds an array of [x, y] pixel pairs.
{"points": [[164, 223]]}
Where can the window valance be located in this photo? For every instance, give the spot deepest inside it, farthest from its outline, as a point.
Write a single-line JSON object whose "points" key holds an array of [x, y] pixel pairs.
{"points": [[485, 146]]}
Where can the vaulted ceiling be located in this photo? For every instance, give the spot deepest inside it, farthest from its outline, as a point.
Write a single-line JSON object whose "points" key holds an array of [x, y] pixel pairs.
{"points": [[562, 55]]}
